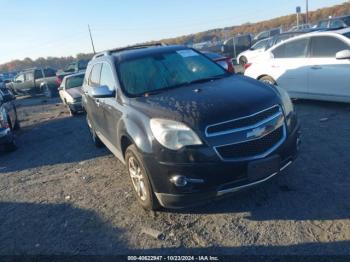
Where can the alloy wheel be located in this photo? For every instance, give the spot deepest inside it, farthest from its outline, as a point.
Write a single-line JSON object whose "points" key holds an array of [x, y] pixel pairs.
{"points": [[137, 178]]}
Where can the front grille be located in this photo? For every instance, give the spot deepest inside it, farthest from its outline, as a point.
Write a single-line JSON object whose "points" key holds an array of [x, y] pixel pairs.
{"points": [[242, 122], [251, 148]]}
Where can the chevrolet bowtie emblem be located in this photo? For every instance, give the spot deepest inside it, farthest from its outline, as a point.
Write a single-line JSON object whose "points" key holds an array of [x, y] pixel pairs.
{"points": [[256, 132]]}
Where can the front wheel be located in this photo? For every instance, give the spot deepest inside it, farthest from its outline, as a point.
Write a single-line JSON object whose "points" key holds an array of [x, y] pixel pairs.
{"points": [[268, 80], [140, 179]]}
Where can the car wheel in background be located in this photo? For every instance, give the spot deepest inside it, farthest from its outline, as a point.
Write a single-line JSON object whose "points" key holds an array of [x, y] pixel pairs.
{"points": [[243, 60], [10, 146], [48, 92], [268, 80], [140, 179]]}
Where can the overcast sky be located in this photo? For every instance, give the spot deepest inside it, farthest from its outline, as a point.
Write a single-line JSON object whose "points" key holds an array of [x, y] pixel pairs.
{"points": [[34, 28]]}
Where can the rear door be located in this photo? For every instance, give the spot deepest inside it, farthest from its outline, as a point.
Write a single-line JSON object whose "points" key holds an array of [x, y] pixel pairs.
{"points": [[288, 66], [92, 106], [328, 76]]}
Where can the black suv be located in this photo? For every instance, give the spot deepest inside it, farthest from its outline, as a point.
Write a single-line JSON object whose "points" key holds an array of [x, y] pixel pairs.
{"points": [[187, 130], [8, 120]]}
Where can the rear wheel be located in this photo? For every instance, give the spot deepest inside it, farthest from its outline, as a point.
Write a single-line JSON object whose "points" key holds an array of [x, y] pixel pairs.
{"points": [[268, 80], [140, 179]]}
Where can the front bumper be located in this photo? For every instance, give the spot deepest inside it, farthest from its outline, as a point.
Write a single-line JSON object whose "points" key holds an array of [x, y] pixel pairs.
{"points": [[76, 107], [221, 177]]}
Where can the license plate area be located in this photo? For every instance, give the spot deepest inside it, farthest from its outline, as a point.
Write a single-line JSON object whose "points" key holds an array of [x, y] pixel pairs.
{"points": [[263, 168]]}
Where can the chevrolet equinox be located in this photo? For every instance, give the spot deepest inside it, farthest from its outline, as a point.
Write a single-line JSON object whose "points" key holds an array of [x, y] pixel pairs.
{"points": [[186, 129]]}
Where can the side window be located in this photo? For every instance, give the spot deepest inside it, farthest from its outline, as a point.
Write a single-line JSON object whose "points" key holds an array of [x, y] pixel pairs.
{"points": [[95, 74], [38, 74], [19, 78], [336, 24], [107, 78], [326, 46], [49, 72], [323, 24], [294, 49], [29, 76]]}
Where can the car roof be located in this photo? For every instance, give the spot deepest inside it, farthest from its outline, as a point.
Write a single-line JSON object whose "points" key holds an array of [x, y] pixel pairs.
{"points": [[120, 55]]}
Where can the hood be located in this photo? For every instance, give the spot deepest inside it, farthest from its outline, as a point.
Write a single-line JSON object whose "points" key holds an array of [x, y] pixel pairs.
{"points": [[75, 92], [208, 103]]}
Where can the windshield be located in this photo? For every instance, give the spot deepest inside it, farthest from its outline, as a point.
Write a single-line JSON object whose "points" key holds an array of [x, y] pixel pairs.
{"points": [[74, 81], [157, 72]]}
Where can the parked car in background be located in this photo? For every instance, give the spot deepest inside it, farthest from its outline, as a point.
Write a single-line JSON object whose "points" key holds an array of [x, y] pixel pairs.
{"points": [[236, 45], [267, 34], [8, 120], [187, 130], [70, 92], [35, 81], [301, 27], [334, 23], [223, 61], [261, 46], [310, 66], [72, 68]]}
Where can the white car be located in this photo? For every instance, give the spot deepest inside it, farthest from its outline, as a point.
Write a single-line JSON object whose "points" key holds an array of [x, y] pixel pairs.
{"points": [[71, 93], [311, 66], [258, 48]]}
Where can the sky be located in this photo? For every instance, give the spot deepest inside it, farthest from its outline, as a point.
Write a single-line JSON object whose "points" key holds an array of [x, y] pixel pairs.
{"points": [[41, 28]]}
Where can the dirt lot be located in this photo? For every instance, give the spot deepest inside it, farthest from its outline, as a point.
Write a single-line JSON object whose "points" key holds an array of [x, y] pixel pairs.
{"points": [[61, 195]]}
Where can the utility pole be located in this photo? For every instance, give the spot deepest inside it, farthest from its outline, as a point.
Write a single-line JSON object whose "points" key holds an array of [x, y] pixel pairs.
{"points": [[307, 12], [92, 41]]}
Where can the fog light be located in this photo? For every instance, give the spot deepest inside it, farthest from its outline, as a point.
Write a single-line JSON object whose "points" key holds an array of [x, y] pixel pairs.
{"points": [[179, 181]]}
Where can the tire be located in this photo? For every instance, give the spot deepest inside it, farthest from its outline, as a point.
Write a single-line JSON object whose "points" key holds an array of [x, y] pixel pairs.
{"points": [[97, 142], [268, 80], [243, 60], [17, 125], [48, 92], [11, 146], [140, 179]]}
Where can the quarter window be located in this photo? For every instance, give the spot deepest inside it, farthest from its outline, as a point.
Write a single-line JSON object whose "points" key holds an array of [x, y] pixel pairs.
{"points": [[94, 79], [294, 49], [326, 46]]}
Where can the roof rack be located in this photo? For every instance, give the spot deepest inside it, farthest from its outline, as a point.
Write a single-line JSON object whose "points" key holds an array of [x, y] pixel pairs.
{"points": [[109, 52]]}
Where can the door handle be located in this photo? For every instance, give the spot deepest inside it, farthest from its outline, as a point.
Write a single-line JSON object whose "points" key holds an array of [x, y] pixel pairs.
{"points": [[316, 67]]}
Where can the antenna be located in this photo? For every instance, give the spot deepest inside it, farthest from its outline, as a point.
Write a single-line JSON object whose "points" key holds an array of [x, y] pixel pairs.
{"points": [[92, 41]]}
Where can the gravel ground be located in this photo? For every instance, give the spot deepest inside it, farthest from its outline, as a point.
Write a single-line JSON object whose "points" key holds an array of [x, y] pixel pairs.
{"points": [[61, 195]]}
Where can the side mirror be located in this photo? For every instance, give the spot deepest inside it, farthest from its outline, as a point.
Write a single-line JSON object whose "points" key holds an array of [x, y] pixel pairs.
{"points": [[345, 54], [101, 92]]}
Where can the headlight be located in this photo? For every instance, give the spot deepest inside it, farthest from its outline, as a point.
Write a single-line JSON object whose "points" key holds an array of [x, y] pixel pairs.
{"points": [[173, 135], [286, 101]]}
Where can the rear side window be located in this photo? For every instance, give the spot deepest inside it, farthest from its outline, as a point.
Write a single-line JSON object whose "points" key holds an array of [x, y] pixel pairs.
{"points": [[294, 49], [326, 46], [29, 76], [95, 74]]}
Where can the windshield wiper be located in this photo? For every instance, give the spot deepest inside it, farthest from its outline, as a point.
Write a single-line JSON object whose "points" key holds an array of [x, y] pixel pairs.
{"points": [[203, 80]]}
